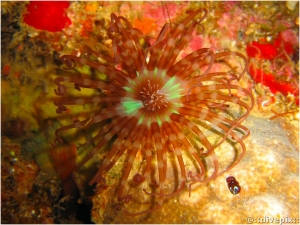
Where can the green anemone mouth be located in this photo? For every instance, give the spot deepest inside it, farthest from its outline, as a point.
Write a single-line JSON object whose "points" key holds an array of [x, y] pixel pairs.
{"points": [[153, 91]]}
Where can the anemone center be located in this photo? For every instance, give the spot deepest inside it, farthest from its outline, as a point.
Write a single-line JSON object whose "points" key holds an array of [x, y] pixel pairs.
{"points": [[152, 97]]}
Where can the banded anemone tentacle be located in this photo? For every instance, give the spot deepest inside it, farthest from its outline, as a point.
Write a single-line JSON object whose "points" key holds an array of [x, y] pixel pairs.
{"points": [[152, 107], [114, 74]]}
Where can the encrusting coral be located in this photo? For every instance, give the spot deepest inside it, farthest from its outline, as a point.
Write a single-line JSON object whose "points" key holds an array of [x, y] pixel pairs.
{"points": [[153, 105]]}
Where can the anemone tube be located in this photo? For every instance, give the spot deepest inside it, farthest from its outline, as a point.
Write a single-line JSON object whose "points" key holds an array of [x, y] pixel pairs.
{"points": [[151, 96]]}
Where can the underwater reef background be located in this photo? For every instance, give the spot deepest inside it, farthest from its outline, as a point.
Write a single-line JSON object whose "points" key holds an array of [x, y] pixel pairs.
{"points": [[36, 182]]}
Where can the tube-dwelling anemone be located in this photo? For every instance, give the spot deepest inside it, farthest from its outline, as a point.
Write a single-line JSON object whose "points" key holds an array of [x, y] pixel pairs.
{"points": [[150, 96]]}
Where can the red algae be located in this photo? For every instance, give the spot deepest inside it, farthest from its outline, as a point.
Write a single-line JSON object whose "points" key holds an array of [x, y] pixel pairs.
{"points": [[269, 80], [279, 77], [268, 51], [49, 16], [263, 51]]}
